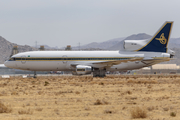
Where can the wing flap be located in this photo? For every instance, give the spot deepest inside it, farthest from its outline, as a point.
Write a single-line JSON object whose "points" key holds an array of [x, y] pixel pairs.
{"points": [[116, 62], [108, 63]]}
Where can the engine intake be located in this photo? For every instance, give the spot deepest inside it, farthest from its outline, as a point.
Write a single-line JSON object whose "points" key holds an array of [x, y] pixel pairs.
{"points": [[131, 45], [82, 70]]}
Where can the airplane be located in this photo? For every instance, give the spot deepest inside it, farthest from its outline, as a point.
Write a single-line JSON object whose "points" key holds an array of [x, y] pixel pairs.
{"points": [[136, 54]]}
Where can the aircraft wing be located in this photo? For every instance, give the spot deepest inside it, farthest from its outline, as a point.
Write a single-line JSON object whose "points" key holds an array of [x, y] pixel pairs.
{"points": [[148, 62], [108, 63]]}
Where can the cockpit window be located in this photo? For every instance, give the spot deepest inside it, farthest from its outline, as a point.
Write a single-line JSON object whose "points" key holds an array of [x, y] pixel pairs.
{"points": [[12, 59]]}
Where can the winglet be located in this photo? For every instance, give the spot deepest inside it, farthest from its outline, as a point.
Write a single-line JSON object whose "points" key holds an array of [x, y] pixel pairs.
{"points": [[159, 42]]}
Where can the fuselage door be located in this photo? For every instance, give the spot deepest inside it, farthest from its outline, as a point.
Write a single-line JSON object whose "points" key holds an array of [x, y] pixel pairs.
{"points": [[23, 59], [137, 62], [64, 57]]}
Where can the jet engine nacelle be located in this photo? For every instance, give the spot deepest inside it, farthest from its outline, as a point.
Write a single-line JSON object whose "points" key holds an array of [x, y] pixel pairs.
{"points": [[131, 45], [171, 52], [82, 70]]}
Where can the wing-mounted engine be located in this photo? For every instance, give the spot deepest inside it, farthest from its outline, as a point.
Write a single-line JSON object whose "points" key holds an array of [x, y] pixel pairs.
{"points": [[82, 70], [131, 45]]}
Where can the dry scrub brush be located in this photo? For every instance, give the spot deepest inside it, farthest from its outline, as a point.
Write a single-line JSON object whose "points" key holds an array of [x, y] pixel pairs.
{"points": [[173, 114], [142, 81], [138, 113], [39, 109], [108, 111], [99, 102], [28, 111], [24, 119], [5, 109]]}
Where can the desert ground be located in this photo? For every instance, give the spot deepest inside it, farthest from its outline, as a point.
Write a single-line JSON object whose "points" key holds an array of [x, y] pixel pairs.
{"points": [[115, 97]]}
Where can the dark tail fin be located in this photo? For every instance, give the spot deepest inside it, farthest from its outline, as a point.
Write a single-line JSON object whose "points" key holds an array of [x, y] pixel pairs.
{"points": [[159, 42]]}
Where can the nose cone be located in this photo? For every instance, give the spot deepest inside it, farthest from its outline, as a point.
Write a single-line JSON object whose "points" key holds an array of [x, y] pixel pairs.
{"points": [[8, 64]]}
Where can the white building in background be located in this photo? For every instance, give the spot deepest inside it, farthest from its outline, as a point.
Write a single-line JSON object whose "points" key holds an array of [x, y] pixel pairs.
{"points": [[160, 69]]}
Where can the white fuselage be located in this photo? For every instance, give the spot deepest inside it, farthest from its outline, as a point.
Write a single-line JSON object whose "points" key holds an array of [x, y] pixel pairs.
{"points": [[64, 60]]}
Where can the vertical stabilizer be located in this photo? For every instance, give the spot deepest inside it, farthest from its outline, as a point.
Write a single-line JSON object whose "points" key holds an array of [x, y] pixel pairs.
{"points": [[159, 42]]}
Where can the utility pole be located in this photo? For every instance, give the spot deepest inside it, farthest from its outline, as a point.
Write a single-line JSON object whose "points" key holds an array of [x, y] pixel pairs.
{"points": [[36, 44], [79, 45]]}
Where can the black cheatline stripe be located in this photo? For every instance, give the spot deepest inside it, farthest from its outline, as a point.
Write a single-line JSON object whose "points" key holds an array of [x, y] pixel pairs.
{"points": [[67, 59]]}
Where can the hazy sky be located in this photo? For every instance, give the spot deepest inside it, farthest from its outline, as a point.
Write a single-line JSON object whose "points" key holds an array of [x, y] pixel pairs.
{"points": [[68, 22]]}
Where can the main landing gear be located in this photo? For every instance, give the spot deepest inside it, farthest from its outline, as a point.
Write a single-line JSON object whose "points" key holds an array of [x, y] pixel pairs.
{"points": [[35, 75], [99, 73]]}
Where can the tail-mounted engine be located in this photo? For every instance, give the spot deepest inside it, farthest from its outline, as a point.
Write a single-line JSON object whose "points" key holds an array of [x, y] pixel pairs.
{"points": [[171, 52], [131, 45]]}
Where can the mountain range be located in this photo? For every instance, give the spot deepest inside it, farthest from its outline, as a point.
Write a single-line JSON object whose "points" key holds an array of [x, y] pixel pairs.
{"points": [[6, 49]]}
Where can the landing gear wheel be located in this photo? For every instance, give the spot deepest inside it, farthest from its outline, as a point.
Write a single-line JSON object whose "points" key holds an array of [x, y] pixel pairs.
{"points": [[35, 75], [99, 73]]}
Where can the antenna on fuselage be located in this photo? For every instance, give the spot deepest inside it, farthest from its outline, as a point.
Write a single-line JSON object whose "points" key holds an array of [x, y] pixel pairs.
{"points": [[36, 44], [79, 45]]}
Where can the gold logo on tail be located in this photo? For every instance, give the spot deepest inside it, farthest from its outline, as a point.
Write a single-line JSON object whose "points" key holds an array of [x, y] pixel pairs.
{"points": [[162, 39]]}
